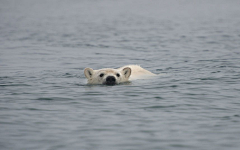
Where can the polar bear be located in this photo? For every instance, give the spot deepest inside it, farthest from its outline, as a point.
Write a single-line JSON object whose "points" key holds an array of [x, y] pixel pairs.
{"points": [[110, 76]]}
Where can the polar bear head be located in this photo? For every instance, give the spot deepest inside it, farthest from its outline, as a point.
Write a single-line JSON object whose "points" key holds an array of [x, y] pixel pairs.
{"points": [[107, 76]]}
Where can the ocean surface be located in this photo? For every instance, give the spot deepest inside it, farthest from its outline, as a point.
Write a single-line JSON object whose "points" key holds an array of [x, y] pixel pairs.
{"points": [[194, 103]]}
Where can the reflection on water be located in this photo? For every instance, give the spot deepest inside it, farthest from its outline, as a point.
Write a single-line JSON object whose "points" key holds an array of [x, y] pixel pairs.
{"points": [[46, 104]]}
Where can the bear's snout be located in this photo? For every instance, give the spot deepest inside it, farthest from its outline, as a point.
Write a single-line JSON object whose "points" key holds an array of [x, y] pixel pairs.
{"points": [[110, 80]]}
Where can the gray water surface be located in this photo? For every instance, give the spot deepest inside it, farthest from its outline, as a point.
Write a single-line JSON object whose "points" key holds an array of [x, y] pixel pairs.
{"points": [[45, 103]]}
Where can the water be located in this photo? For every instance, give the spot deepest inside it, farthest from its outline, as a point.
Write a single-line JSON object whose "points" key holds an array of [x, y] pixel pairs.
{"points": [[46, 104]]}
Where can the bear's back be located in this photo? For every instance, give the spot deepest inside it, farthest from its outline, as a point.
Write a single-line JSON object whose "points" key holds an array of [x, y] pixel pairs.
{"points": [[138, 72]]}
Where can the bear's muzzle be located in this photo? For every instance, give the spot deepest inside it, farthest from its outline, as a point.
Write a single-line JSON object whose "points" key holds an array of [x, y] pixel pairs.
{"points": [[110, 80]]}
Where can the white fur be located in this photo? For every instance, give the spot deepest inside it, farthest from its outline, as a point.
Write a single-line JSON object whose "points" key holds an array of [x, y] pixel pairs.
{"points": [[138, 72], [126, 73]]}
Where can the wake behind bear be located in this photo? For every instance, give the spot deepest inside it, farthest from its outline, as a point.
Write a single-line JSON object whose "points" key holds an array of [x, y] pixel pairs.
{"points": [[110, 76]]}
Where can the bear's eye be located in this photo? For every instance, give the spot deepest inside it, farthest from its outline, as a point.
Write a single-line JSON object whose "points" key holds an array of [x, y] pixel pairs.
{"points": [[118, 75], [101, 75]]}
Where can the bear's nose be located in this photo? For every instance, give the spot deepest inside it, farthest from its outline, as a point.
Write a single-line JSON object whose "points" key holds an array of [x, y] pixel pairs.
{"points": [[110, 80]]}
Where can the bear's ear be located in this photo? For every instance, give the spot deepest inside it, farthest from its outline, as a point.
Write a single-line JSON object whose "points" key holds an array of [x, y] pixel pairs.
{"points": [[126, 72], [88, 72]]}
